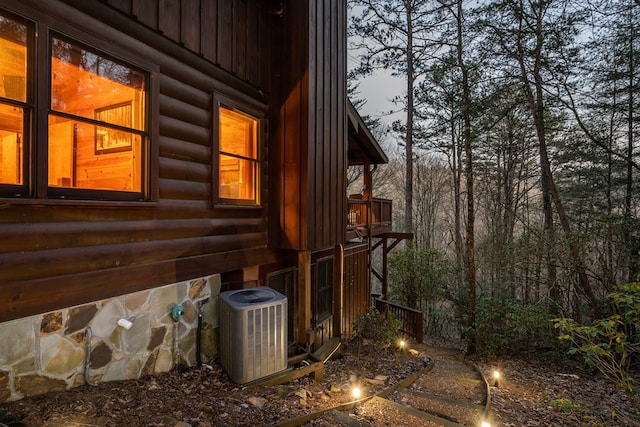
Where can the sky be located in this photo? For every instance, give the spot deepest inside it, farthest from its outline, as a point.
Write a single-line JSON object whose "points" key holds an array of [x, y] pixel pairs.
{"points": [[378, 90]]}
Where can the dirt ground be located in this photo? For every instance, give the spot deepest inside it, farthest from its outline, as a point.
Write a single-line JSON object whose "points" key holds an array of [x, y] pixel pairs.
{"points": [[531, 392]]}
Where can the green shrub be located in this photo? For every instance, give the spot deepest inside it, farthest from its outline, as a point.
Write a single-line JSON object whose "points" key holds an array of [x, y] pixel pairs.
{"points": [[609, 344], [510, 327], [417, 276], [377, 326]]}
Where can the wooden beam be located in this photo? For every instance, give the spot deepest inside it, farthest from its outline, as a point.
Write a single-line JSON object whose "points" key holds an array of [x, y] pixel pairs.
{"points": [[303, 309], [338, 286], [377, 274], [384, 239], [385, 282]]}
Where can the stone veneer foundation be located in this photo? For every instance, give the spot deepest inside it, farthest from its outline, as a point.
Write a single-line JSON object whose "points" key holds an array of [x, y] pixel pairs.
{"points": [[47, 352]]}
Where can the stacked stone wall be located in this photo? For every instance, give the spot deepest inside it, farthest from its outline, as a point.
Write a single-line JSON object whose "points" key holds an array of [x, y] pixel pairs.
{"points": [[48, 352]]}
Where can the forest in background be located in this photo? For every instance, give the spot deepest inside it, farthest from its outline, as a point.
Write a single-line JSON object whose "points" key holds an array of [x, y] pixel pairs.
{"points": [[515, 162]]}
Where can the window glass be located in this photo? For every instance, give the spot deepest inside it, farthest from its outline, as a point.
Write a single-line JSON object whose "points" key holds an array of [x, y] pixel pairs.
{"points": [[13, 96], [97, 122], [324, 279], [238, 159], [11, 145], [284, 282]]}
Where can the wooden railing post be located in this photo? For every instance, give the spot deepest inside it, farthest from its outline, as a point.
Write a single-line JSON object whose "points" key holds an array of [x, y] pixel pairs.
{"points": [[418, 327], [410, 319]]}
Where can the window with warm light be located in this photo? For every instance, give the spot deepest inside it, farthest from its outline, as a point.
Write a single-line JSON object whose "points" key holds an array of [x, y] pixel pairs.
{"points": [[92, 138], [238, 164], [96, 122], [13, 100]]}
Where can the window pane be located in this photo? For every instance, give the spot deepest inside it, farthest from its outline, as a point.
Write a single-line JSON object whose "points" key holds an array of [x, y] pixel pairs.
{"points": [[238, 161], [11, 144], [237, 178], [88, 156], [84, 83], [82, 155], [325, 288], [237, 133], [13, 60]]}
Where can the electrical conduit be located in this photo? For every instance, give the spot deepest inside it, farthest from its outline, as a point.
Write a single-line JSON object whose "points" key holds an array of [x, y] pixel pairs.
{"points": [[87, 361]]}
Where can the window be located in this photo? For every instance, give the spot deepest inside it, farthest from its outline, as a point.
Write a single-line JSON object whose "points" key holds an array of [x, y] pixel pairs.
{"points": [[94, 141], [324, 289], [238, 164], [285, 283], [96, 122], [14, 108]]}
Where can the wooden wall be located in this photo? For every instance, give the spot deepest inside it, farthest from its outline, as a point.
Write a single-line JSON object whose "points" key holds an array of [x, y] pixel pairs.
{"points": [[59, 253], [229, 33], [309, 125], [356, 293], [288, 63]]}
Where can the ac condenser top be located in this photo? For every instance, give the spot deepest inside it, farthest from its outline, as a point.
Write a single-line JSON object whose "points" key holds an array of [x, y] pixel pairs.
{"points": [[253, 333]]}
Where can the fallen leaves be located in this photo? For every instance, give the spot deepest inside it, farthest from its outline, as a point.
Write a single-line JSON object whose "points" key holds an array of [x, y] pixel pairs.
{"points": [[538, 391]]}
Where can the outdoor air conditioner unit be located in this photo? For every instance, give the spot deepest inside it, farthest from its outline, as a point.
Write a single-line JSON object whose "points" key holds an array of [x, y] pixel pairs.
{"points": [[253, 333]]}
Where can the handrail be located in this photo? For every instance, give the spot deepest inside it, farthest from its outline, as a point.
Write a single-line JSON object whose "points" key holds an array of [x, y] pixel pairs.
{"points": [[381, 210], [410, 319]]}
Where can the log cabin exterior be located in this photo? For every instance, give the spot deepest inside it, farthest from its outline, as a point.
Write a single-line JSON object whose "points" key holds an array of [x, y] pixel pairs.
{"points": [[155, 153]]}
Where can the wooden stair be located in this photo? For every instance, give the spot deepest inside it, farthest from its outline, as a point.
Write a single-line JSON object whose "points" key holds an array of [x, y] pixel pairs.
{"points": [[449, 393]]}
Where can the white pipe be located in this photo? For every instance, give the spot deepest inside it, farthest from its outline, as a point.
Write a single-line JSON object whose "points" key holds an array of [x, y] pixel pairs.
{"points": [[125, 323]]}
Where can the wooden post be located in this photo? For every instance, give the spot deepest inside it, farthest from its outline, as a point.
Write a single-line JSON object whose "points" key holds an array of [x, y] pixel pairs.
{"points": [[338, 289], [385, 251], [303, 317], [367, 195], [418, 327]]}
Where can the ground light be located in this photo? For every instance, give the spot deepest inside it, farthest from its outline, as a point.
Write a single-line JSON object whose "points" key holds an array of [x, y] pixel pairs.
{"points": [[356, 392], [496, 378], [402, 344], [485, 424]]}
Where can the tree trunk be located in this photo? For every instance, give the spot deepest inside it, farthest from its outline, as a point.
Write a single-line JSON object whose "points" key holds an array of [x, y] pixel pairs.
{"points": [[536, 105], [456, 166], [628, 208], [470, 242], [408, 192]]}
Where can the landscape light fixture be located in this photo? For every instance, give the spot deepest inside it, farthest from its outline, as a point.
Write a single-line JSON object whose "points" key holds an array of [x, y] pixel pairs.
{"points": [[356, 392], [485, 424], [496, 378], [402, 344]]}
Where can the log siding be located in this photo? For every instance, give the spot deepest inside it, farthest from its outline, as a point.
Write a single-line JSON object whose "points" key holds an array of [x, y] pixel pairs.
{"points": [[285, 64], [60, 253]]}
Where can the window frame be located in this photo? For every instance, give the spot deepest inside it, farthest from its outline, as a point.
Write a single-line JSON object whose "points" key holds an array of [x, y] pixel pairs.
{"points": [[35, 188], [259, 115], [28, 110], [100, 194], [324, 289], [286, 282]]}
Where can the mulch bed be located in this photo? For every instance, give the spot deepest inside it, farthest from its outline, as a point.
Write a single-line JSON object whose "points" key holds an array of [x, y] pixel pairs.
{"points": [[534, 391]]}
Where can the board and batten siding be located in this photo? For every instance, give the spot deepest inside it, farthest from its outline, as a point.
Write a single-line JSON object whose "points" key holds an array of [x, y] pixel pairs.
{"points": [[355, 296], [60, 253], [309, 145], [225, 32]]}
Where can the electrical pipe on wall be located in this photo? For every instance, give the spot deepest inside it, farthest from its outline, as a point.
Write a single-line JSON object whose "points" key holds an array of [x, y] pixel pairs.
{"points": [[87, 362]]}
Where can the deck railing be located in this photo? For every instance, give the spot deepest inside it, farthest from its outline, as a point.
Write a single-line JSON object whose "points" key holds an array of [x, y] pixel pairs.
{"points": [[380, 212], [410, 319]]}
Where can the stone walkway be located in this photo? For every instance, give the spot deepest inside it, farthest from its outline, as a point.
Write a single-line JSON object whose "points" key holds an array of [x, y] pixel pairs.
{"points": [[448, 392]]}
